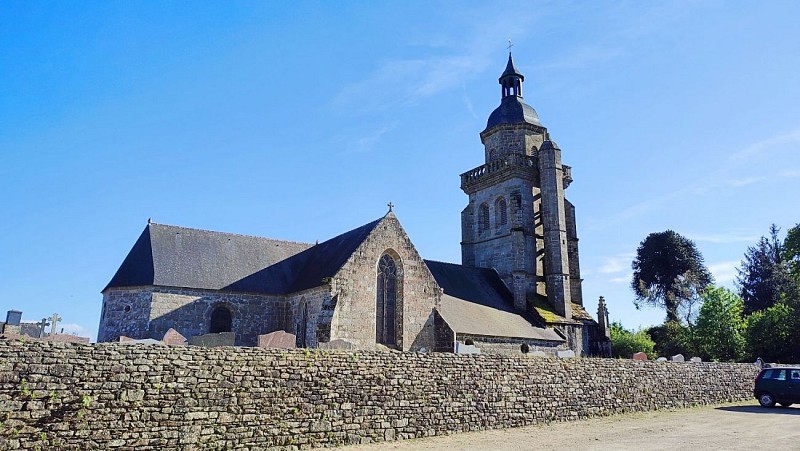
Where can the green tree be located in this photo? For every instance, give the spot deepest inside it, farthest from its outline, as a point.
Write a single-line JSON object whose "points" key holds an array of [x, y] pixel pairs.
{"points": [[673, 338], [625, 343], [772, 334], [668, 272], [791, 252], [719, 332], [764, 277]]}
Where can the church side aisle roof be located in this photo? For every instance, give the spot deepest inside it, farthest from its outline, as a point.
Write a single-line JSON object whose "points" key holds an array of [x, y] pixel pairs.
{"points": [[476, 301]]}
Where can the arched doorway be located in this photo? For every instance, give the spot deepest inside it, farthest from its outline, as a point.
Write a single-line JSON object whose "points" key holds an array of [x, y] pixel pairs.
{"points": [[221, 320]]}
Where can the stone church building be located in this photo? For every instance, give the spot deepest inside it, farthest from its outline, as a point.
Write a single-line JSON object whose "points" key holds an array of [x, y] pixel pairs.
{"points": [[518, 288]]}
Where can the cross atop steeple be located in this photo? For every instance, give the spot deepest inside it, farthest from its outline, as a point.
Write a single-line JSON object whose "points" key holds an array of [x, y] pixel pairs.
{"points": [[510, 44], [390, 205]]}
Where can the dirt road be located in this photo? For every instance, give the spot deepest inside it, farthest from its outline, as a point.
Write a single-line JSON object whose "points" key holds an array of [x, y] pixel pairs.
{"points": [[743, 426]]}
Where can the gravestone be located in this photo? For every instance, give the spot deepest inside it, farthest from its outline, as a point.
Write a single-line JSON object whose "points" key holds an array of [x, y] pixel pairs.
{"points": [[661, 359], [135, 341], [640, 356], [277, 340], [538, 354], [338, 344], [462, 348], [213, 340], [568, 354], [678, 358], [696, 359], [174, 338]]}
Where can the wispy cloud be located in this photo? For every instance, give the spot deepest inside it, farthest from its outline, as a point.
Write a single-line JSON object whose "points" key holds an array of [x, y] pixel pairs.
{"points": [[737, 183], [584, 57], [619, 280], [401, 82], [724, 272], [72, 328], [616, 264], [367, 143], [766, 147], [468, 104], [742, 168], [734, 236]]}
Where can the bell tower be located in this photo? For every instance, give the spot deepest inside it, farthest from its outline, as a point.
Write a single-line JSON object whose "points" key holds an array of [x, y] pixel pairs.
{"points": [[518, 221]]}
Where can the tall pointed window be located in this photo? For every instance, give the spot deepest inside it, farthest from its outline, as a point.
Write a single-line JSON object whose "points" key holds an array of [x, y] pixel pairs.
{"points": [[500, 212], [483, 218], [385, 313], [221, 320], [302, 325]]}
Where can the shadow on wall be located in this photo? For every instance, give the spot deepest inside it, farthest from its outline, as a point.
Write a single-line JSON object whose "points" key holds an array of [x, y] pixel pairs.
{"points": [[250, 316]]}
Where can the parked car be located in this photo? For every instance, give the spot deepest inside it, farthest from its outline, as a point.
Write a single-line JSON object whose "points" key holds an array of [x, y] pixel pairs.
{"points": [[777, 385]]}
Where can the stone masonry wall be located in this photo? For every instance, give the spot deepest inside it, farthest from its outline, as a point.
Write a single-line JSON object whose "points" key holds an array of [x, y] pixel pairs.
{"points": [[354, 286], [149, 312], [112, 396]]}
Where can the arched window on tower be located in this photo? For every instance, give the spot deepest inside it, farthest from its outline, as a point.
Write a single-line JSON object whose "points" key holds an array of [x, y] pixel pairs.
{"points": [[501, 212], [221, 320], [483, 218], [386, 308]]}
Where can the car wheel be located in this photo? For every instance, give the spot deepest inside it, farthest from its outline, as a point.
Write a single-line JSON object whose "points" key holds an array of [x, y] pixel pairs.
{"points": [[766, 400], [785, 404]]}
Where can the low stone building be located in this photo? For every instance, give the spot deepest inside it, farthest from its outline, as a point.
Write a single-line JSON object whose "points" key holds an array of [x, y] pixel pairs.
{"points": [[518, 288]]}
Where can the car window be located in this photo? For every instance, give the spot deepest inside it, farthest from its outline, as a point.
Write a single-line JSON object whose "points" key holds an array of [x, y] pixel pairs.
{"points": [[796, 375], [779, 375]]}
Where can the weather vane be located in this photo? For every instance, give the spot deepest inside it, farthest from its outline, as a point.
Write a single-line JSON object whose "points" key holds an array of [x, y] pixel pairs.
{"points": [[510, 44]]}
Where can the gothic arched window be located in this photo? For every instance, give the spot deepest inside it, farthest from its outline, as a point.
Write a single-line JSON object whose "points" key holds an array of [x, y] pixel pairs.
{"points": [[302, 324], [385, 313], [221, 320], [483, 218], [501, 212]]}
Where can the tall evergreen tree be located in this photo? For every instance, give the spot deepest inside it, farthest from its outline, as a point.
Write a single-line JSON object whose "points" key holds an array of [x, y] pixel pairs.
{"points": [[668, 272], [764, 278]]}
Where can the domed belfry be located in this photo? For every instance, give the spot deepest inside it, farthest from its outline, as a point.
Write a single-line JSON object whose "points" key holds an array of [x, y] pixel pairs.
{"points": [[518, 221]]}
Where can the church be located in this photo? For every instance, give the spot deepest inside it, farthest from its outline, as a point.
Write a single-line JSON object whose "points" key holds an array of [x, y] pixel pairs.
{"points": [[517, 289]]}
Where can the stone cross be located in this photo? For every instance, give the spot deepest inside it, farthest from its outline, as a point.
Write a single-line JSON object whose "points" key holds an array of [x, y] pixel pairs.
{"points": [[53, 322], [42, 324], [390, 205]]}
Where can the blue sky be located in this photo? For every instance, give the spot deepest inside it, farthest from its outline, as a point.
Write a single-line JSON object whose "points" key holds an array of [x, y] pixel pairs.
{"points": [[301, 120]]}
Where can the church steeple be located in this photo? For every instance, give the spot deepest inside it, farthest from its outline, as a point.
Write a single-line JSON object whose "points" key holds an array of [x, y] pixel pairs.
{"points": [[511, 80], [512, 109]]}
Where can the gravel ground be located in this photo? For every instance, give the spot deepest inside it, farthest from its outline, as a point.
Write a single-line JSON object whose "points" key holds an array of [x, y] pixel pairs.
{"points": [[741, 426]]}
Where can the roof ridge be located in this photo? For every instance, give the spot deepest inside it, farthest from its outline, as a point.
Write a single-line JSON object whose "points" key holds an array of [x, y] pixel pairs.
{"points": [[477, 268], [229, 233]]}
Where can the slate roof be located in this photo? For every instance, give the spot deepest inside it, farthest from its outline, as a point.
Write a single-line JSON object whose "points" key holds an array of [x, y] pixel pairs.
{"points": [[181, 257], [512, 110], [511, 70], [476, 301]]}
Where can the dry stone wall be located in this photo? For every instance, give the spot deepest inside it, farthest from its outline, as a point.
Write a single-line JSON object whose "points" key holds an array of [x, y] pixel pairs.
{"points": [[112, 396]]}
